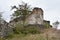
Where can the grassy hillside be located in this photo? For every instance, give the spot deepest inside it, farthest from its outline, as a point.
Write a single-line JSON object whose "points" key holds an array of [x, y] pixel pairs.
{"points": [[49, 34], [29, 37]]}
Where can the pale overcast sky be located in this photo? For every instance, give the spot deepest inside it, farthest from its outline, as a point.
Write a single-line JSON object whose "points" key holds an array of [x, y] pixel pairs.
{"points": [[51, 8]]}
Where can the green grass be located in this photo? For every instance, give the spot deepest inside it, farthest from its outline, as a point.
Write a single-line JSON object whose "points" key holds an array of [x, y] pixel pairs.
{"points": [[41, 36], [27, 37]]}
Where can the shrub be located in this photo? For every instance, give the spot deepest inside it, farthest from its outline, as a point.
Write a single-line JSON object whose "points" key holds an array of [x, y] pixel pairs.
{"points": [[47, 25]]}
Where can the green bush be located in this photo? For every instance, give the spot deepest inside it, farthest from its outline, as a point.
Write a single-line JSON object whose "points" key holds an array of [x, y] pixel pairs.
{"points": [[10, 36], [16, 30], [30, 30], [47, 25], [26, 30]]}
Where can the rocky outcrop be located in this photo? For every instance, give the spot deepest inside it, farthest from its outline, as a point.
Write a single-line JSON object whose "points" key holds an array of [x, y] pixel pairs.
{"points": [[5, 28], [36, 17]]}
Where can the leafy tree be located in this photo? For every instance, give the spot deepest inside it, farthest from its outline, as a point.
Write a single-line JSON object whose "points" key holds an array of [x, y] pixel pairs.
{"points": [[55, 24], [22, 11]]}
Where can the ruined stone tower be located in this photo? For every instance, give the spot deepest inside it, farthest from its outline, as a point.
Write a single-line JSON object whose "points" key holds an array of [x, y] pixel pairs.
{"points": [[36, 17]]}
